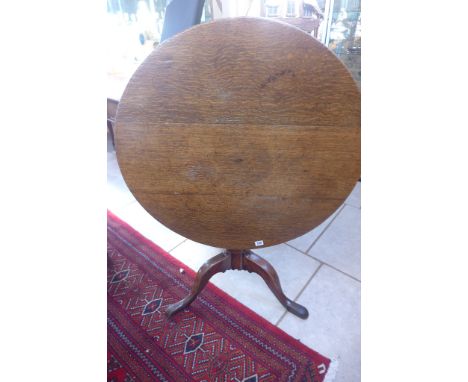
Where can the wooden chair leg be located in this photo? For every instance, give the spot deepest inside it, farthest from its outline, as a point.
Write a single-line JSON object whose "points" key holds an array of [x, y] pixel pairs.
{"points": [[256, 264], [219, 263], [110, 128]]}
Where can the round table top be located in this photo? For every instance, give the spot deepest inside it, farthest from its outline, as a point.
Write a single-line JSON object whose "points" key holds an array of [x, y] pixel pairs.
{"points": [[240, 133]]}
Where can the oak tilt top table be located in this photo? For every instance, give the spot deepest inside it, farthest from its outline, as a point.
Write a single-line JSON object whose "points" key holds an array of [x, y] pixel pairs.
{"points": [[240, 133]]}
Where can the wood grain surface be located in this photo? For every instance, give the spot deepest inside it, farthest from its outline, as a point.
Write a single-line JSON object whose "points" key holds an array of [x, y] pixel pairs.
{"points": [[238, 131]]}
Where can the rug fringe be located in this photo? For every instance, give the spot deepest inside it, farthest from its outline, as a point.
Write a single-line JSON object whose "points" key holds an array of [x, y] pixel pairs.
{"points": [[332, 369]]}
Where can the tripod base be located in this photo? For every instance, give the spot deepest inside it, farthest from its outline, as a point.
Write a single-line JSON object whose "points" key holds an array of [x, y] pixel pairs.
{"points": [[239, 260]]}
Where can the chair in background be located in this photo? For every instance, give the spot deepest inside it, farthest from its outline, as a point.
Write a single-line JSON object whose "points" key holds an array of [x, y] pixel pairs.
{"points": [[111, 112]]}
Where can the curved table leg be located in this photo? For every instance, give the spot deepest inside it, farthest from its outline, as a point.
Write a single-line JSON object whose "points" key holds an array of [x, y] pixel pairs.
{"points": [[219, 263], [256, 264]]}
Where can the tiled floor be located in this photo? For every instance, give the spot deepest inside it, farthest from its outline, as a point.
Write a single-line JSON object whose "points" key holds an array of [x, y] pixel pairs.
{"points": [[320, 270]]}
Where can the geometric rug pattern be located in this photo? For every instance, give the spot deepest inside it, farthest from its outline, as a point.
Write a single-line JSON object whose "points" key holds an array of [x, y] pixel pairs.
{"points": [[215, 339]]}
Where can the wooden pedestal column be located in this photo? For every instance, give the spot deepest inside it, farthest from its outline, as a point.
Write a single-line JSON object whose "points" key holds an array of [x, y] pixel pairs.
{"points": [[239, 260]]}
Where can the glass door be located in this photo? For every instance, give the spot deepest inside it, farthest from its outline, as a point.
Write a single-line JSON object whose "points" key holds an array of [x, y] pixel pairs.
{"points": [[342, 32]]}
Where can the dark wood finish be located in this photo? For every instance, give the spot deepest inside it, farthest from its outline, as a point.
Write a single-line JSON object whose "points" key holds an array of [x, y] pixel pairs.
{"points": [[238, 260], [217, 264], [238, 131], [254, 263]]}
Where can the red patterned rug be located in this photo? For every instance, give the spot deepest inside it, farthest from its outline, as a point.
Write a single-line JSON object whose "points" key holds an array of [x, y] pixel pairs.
{"points": [[215, 339]]}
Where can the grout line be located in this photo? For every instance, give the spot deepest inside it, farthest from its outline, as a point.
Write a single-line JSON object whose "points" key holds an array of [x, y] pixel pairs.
{"points": [[282, 316], [297, 249], [328, 225], [324, 263], [352, 205], [183, 241], [308, 282], [300, 292], [334, 268]]}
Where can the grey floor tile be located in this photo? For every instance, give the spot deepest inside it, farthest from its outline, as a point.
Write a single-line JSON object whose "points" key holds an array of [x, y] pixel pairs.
{"points": [[304, 242], [340, 244], [110, 146], [122, 203], [354, 199], [135, 215], [118, 195], [113, 170], [194, 254], [251, 290], [294, 268], [333, 327]]}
